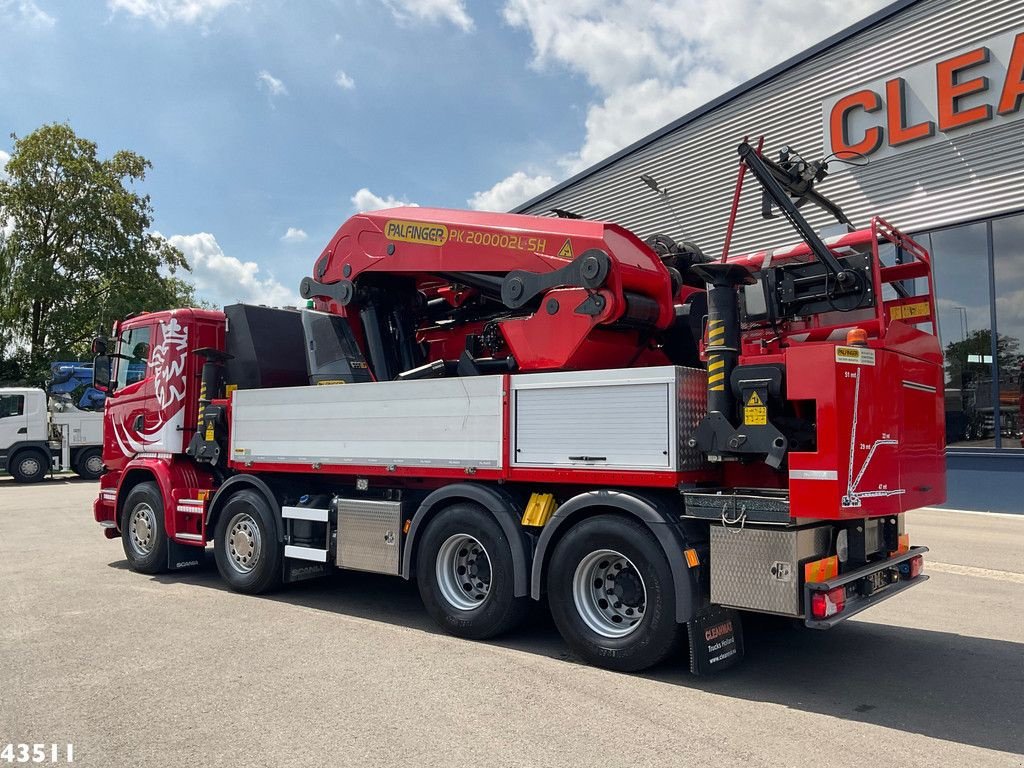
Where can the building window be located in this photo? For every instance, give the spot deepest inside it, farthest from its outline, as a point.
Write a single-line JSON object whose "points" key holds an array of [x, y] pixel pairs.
{"points": [[962, 268], [1008, 262], [979, 286]]}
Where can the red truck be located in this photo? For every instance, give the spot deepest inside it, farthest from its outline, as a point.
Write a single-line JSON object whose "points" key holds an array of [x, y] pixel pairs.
{"points": [[508, 407]]}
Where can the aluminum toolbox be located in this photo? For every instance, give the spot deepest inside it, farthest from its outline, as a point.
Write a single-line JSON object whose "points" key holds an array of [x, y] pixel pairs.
{"points": [[637, 418], [760, 568], [369, 535]]}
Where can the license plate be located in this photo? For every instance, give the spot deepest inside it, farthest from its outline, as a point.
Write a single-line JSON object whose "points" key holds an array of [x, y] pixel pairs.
{"points": [[874, 582]]}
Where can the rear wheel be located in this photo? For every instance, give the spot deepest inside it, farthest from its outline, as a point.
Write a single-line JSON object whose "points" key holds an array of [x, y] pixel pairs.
{"points": [[89, 464], [610, 591], [29, 466], [247, 550], [142, 529], [465, 574]]}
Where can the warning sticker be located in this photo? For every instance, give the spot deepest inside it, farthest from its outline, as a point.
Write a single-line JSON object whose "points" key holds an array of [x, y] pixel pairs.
{"points": [[755, 413], [565, 252], [855, 355], [905, 311]]}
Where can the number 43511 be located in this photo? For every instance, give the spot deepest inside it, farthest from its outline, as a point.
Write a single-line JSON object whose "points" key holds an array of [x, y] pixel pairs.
{"points": [[37, 753]]}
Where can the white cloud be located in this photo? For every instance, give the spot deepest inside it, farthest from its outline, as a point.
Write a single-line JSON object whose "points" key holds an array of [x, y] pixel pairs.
{"points": [[225, 279], [25, 12], [365, 200], [162, 12], [652, 61], [294, 235], [453, 11], [343, 81], [510, 192], [270, 84]]}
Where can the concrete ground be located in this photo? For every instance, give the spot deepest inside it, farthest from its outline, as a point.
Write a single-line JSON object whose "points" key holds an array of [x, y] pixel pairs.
{"points": [[176, 670]]}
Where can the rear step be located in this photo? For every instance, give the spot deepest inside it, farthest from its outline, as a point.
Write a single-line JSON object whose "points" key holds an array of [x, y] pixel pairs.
{"points": [[737, 506]]}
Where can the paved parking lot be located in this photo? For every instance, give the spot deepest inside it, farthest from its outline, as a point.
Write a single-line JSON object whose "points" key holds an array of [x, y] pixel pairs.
{"points": [[175, 670]]}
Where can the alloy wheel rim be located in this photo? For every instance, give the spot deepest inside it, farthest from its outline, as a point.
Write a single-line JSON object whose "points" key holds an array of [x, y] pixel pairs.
{"points": [[463, 571], [142, 529], [609, 594], [244, 542]]}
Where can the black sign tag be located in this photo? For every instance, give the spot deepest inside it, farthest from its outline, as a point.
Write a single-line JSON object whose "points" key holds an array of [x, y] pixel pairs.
{"points": [[716, 640], [300, 570], [182, 556]]}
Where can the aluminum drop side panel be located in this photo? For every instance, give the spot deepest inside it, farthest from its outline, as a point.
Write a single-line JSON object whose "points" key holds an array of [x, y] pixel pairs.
{"points": [[429, 423]]}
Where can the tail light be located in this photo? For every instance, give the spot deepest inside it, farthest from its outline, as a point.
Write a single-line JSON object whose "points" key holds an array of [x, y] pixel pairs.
{"points": [[825, 604], [912, 568], [916, 566]]}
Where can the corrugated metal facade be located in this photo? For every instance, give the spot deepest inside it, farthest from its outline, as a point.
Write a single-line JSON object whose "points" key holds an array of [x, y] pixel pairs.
{"points": [[969, 177]]}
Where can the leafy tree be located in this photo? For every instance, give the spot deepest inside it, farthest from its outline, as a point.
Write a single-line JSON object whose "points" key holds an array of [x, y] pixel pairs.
{"points": [[78, 252]]}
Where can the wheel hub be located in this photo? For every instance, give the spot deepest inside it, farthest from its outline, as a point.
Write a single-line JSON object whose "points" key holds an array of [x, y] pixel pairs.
{"points": [[628, 588]]}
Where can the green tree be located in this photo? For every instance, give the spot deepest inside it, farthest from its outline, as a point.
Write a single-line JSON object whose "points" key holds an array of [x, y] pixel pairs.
{"points": [[76, 252]]}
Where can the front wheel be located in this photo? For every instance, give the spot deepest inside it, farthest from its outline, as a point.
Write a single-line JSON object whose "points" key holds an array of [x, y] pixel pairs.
{"points": [[142, 529], [610, 590], [247, 550], [465, 574], [29, 466]]}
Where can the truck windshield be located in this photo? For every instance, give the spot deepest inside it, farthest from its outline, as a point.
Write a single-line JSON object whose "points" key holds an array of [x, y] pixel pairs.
{"points": [[132, 355]]}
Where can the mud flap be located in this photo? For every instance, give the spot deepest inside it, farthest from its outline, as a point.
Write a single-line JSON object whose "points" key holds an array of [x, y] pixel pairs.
{"points": [[300, 570], [181, 556], [716, 640]]}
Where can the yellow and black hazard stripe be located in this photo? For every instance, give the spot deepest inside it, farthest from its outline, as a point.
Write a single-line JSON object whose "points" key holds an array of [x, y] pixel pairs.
{"points": [[716, 363]]}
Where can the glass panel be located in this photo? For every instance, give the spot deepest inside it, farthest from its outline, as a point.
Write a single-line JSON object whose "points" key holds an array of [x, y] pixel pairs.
{"points": [[132, 356], [12, 405], [960, 258], [1008, 245]]}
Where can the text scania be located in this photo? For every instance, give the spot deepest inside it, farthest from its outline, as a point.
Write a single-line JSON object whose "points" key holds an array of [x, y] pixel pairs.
{"points": [[504, 240]]}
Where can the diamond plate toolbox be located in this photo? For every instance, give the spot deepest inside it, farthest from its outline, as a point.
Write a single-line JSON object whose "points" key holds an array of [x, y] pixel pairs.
{"points": [[369, 535], [761, 569]]}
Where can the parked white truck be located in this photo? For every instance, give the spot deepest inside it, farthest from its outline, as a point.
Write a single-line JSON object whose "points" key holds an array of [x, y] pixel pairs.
{"points": [[40, 434]]}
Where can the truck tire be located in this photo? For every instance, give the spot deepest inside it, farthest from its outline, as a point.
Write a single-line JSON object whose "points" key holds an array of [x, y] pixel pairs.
{"points": [[29, 466], [246, 547], [89, 465], [465, 574], [143, 535], [610, 593]]}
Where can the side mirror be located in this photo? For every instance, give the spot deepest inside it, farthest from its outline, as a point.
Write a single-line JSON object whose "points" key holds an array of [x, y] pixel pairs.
{"points": [[101, 372], [99, 346]]}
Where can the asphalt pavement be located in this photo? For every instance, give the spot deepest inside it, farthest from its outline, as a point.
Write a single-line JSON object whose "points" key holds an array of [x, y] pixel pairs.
{"points": [[176, 670]]}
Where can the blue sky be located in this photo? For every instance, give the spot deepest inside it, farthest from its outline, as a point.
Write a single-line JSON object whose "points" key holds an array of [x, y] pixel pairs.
{"points": [[270, 123]]}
